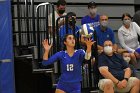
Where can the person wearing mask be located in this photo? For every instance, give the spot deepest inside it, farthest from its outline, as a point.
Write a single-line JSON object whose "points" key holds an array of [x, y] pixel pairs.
{"points": [[128, 34], [115, 73], [127, 58], [104, 33], [92, 18], [71, 26], [60, 11], [70, 61]]}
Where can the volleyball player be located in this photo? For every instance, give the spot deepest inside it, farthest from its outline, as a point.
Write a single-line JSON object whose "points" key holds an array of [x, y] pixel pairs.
{"points": [[71, 62]]}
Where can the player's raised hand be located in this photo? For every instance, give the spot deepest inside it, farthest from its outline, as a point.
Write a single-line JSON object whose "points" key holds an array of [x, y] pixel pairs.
{"points": [[46, 45], [89, 42]]}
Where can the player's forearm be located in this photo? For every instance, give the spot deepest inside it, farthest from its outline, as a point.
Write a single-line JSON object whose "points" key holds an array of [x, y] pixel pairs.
{"points": [[88, 49], [45, 56], [88, 53]]}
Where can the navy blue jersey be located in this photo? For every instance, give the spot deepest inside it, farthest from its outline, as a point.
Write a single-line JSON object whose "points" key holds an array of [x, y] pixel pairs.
{"points": [[70, 66], [115, 64]]}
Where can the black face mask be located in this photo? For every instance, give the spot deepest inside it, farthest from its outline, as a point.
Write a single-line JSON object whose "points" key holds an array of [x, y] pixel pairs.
{"points": [[61, 11], [72, 22]]}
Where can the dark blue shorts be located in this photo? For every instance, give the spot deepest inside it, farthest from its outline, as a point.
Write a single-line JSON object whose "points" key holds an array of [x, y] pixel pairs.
{"points": [[69, 87]]}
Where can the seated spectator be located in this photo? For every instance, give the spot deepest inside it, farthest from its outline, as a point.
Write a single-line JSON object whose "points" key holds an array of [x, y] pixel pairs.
{"points": [[92, 18], [104, 33], [115, 73], [128, 34], [127, 58], [71, 23]]}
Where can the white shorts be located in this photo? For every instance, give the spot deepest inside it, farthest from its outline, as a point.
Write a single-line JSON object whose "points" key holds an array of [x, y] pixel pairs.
{"points": [[130, 84]]}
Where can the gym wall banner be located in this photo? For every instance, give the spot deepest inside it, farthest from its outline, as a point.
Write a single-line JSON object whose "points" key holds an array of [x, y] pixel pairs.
{"points": [[7, 82]]}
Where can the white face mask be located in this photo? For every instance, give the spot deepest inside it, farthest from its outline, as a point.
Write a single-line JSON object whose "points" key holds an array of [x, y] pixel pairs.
{"points": [[104, 23], [108, 49], [127, 22], [127, 59], [93, 11]]}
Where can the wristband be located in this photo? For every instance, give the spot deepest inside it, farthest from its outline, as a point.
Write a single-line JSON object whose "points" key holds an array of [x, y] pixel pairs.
{"points": [[126, 79]]}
